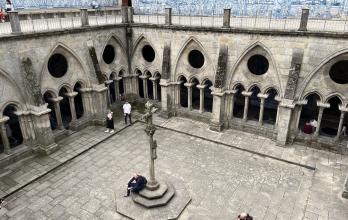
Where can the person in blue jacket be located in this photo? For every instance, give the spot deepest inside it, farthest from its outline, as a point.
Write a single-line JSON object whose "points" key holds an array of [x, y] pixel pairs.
{"points": [[135, 184]]}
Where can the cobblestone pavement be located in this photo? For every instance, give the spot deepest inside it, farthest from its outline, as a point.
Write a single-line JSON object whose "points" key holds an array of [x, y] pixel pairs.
{"points": [[221, 180]]}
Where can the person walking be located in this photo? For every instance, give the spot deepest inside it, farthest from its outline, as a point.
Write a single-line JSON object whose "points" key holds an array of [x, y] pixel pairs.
{"points": [[110, 122], [127, 108]]}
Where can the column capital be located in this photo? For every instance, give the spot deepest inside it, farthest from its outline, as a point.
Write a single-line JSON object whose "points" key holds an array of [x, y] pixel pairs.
{"points": [[218, 93], [302, 102], [201, 86], [262, 96], [118, 78], [342, 108], [231, 92], [108, 82], [143, 77], [323, 105], [57, 100], [153, 78], [71, 94], [4, 119], [188, 85], [247, 94], [84, 90]]}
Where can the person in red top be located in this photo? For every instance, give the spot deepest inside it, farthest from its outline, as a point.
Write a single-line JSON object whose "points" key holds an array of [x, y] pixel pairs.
{"points": [[2, 15], [307, 128]]}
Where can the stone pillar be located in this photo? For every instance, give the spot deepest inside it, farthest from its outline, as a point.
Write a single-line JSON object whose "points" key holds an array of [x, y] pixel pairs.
{"points": [[3, 133], [99, 103], [124, 12], [231, 105], [56, 102], [71, 97], [26, 134], [189, 94], [246, 104], [84, 17], [263, 97], [299, 105], [168, 16], [216, 123], [144, 78], [107, 84], [201, 97], [321, 106], [15, 23], [304, 19], [340, 125], [130, 14], [227, 18], [87, 101], [166, 102], [44, 139], [177, 92], [285, 114], [117, 87], [154, 87]]}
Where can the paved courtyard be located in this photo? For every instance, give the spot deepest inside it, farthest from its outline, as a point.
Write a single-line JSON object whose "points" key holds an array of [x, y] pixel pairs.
{"points": [[222, 180]]}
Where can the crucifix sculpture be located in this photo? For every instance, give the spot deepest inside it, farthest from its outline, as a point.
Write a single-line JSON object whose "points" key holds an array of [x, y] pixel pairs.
{"points": [[150, 129]]}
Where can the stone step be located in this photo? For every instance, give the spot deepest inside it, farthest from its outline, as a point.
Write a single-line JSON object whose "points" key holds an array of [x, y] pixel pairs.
{"points": [[152, 203], [146, 193]]}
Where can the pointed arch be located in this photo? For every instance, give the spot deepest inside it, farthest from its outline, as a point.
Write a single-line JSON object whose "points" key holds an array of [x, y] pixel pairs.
{"points": [[137, 43], [8, 77], [246, 51], [70, 51], [335, 94], [327, 59], [313, 93], [118, 41], [253, 86], [194, 40]]}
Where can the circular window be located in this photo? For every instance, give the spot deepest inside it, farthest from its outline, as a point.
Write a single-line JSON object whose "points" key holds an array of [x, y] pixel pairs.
{"points": [[148, 53], [196, 59], [339, 72], [258, 64], [109, 54], [57, 65]]}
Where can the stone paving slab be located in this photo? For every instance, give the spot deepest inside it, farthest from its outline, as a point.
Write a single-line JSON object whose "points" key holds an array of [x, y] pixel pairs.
{"points": [[222, 181], [26, 170]]}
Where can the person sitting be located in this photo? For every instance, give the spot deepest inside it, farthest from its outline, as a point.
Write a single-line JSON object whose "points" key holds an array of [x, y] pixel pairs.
{"points": [[307, 128], [135, 184], [2, 15], [244, 216]]}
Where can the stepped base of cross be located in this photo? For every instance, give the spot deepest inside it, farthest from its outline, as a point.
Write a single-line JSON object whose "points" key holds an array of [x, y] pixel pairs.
{"points": [[164, 202]]}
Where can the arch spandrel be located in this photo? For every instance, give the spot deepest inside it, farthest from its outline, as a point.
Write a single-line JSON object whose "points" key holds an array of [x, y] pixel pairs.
{"points": [[182, 64], [10, 92], [120, 53], [241, 73], [76, 69]]}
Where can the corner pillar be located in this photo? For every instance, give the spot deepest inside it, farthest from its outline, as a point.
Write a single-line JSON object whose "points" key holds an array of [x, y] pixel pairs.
{"points": [[3, 133], [216, 123], [286, 107]]}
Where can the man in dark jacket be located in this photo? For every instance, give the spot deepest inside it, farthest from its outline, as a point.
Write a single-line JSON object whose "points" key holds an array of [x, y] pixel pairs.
{"points": [[136, 184]]}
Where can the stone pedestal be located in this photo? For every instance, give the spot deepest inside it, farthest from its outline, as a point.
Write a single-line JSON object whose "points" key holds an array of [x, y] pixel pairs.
{"points": [[166, 202], [44, 140]]}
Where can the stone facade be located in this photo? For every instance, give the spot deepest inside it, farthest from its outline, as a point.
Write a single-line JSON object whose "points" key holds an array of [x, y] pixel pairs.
{"points": [[222, 91]]}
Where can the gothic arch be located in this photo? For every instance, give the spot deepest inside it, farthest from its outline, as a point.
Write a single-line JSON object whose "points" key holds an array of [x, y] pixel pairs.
{"points": [[335, 94], [250, 48], [138, 41], [16, 104], [194, 40], [313, 93], [13, 84], [315, 71], [113, 36]]}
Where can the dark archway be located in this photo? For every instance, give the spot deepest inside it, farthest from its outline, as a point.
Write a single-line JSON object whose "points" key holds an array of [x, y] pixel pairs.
{"points": [[195, 94], [52, 117], [158, 86], [270, 107], [239, 101], [65, 107], [120, 83], [309, 111], [331, 118], [78, 101], [2, 147], [140, 85], [208, 97], [13, 128], [149, 86], [112, 88], [183, 92], [254, 104]]}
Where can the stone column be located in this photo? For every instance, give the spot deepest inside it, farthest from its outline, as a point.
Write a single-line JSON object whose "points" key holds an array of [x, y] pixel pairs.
{"points": [[117, 87], [177, 86], [299, 105], [321, 106], [227, 17], [107, 83], [216, 123], [340, 125], [263, 97], [71, 97], [231, 105], [3, 133], [22, 115], [154, 87], [87, 101], [201, 97], [285, 112], [144, 78], [15, 23], [130, 14], [84, 17], [189, 94], [246, 104], [99, 103], [304, 19], [124, 12], [56, 102], [168, 16], [166, 102]]}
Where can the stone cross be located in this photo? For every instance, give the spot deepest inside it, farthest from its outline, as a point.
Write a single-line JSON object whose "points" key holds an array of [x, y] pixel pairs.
{"points": [[150, 131]]}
